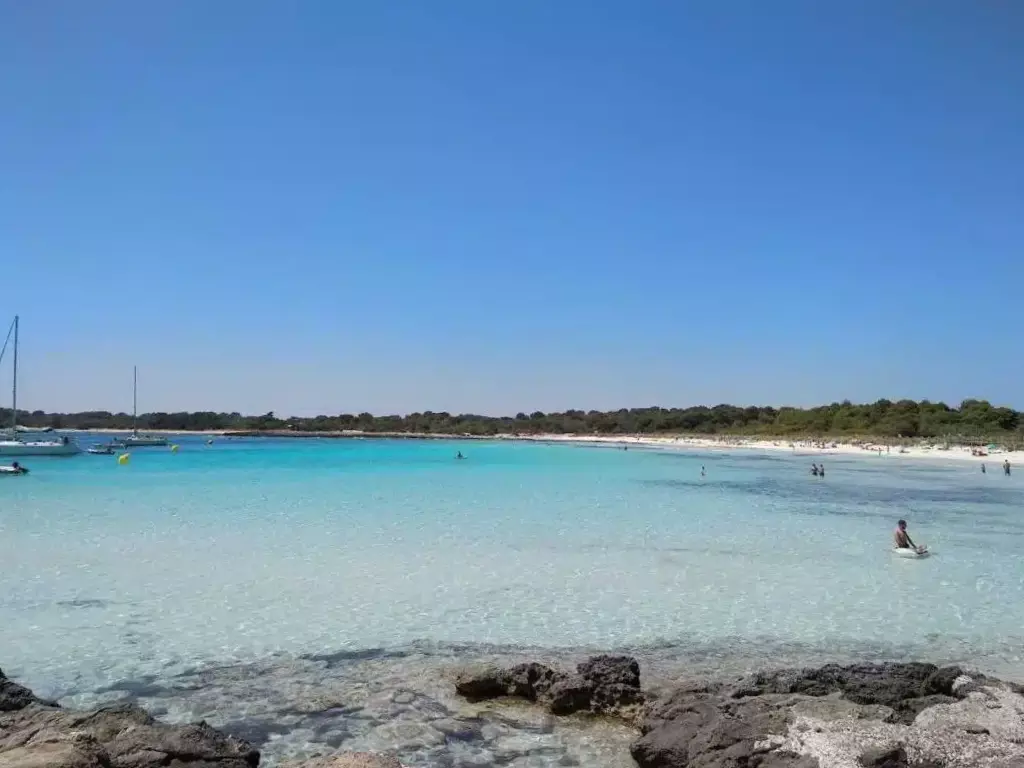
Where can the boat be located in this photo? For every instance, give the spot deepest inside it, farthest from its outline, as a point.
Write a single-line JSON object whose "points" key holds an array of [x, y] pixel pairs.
{"points": [[14, 444], [136, 440], [11, 470], [101, 450]]}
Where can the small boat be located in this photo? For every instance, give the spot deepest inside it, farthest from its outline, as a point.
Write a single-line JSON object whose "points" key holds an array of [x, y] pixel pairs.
{"points": [[135, 440], [15, 445], [101, 450], [9, 470]]}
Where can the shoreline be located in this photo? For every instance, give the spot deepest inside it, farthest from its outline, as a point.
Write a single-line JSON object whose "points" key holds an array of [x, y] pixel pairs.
{"points": [[809, 447], [533, 709]]}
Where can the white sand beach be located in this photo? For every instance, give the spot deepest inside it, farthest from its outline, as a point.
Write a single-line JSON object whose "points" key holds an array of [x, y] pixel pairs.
{"points": [[809, 448]]}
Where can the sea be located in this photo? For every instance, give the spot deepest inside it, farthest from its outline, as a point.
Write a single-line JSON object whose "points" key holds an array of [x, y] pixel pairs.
{"points": [[317, 594]]}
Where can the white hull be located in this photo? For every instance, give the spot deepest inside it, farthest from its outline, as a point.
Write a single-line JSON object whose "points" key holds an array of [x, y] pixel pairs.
{"points": [[37, 448], [142, 442]]}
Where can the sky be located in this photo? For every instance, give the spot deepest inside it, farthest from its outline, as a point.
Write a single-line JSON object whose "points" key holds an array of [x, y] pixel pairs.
{"points": [[489, 207]]}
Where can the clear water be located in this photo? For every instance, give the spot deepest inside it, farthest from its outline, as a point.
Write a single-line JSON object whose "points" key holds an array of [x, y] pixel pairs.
{"points": [[283, 553]]}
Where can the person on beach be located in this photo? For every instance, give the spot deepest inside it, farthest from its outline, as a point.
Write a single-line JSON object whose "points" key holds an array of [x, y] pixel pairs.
{"points": [[902, 539], [1006, 467]]}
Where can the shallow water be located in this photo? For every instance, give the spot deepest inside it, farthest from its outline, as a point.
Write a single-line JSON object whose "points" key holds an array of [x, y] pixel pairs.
{"points": [[277, 553]]}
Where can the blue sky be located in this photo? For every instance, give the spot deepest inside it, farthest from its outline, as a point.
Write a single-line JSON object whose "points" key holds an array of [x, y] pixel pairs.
{"points": [[491, 207]]}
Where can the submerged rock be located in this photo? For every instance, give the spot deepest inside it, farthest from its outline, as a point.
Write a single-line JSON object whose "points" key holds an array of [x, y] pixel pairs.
{"points": [[14, 697], [350, 760], [600, 685], [38, 734]]}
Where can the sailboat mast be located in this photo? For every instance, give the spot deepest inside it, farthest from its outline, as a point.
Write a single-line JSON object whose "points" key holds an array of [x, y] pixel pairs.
{"points": [[135, 396], [14, 386]]}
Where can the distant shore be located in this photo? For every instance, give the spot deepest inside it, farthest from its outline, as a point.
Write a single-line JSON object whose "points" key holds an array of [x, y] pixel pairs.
{"points": [[817, 447]]}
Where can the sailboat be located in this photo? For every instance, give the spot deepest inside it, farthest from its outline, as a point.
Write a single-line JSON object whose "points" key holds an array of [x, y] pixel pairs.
{"points": [[14, 444], [135, 440]]}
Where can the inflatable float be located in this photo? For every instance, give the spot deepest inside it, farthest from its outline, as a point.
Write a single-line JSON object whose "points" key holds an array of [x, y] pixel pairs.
{"points": [[914, 554]]}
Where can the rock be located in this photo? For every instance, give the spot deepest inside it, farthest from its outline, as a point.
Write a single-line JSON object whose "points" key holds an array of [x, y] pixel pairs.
{"points": [[907, 689], [614, 682], [480, 683], [694, 730], [350, 760], [14, 697], [525, 681], [570, 694], [884, 757], [123, 736], [601, 685]]}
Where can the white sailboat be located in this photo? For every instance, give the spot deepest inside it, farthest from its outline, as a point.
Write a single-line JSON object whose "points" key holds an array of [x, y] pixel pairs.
{"points": [[15, 445], [135, 440]]}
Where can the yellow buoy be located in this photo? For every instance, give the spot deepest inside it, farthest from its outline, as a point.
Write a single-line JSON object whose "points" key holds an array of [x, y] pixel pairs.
{"points": [[174, 448], [123, 458]]}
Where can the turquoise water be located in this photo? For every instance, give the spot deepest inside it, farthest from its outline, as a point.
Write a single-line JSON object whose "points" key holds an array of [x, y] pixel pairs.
{"points": [[245, 549]]}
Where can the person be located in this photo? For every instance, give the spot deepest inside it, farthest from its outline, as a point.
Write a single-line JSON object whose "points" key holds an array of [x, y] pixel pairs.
{"points": [[901, 538], [821, 471], [983, 470], [459, 455], [1006, 467], [702, 471], [18, 469], [814, 469]]}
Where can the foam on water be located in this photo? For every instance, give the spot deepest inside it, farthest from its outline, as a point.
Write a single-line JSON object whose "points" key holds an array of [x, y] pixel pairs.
{"points": [[231, 552]]}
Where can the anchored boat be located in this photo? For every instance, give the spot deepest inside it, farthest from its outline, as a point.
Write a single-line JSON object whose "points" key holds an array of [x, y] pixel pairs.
{"points": [[14, 444]]}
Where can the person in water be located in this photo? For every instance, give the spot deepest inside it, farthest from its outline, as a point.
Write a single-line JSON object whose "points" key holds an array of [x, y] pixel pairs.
{"points": [[902, 539], [983, 470], [821, 471], [1006, 467], [814, 469], [703, 472], [459, 455]]}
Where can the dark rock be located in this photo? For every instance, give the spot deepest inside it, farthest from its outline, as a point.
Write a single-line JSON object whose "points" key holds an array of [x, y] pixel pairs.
{"points": [[941, 682], [614, 682], [885, 757], [908, 709], [906, 688], [14, 697], [886, 684], [700, 731], [531, 681], [482, 683], [570, 694], [602, 685], [37, 735], [524, 681]]}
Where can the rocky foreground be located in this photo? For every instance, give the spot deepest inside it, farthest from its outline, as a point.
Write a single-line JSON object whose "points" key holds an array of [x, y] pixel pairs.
{"points": [[886, 716]]}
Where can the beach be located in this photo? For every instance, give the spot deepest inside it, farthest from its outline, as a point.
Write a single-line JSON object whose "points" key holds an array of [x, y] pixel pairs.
{"points": [[819, 447]]}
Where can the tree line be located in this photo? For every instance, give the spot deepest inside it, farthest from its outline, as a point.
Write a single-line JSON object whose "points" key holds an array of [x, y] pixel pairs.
{"points": [[971, 420]]}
